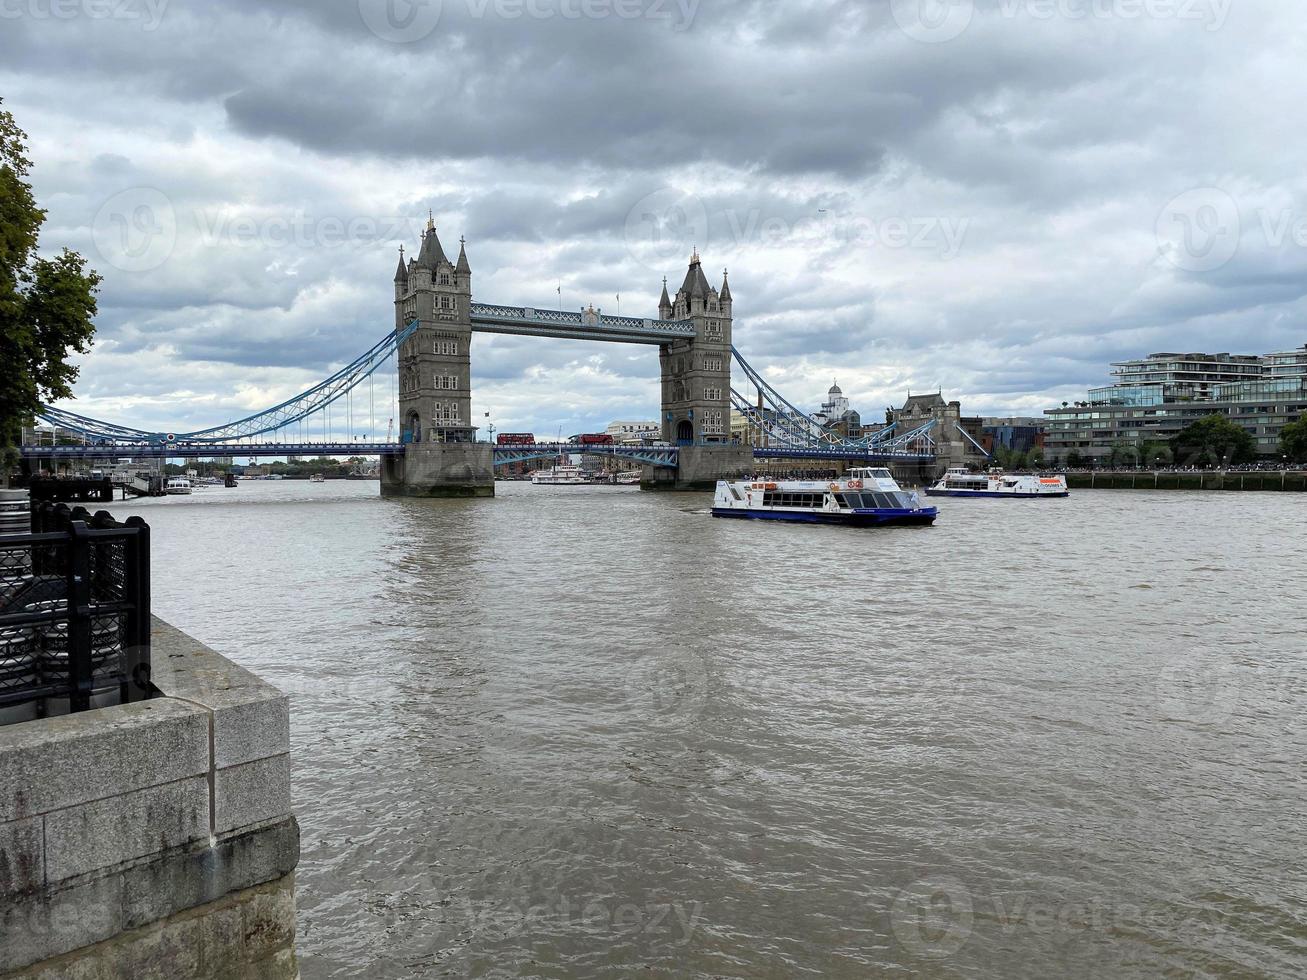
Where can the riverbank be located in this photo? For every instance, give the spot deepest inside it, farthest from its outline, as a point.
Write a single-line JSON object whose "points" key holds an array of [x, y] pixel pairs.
{"points": [[1277, 480]]}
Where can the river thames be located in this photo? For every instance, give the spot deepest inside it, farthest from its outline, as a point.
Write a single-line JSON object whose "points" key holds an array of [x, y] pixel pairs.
{"points": [[587, 732]]}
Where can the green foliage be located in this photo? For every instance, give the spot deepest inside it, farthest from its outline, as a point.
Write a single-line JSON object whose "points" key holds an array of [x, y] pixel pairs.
{"points": [[1074, 460], [1213, 441], [1293, 440], [46, 304]]}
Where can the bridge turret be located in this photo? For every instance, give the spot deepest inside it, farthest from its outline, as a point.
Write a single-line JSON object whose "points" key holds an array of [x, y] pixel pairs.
{"points": [[401, 276], [724, 297], [696, 372], [435, 398], [665, 303]]}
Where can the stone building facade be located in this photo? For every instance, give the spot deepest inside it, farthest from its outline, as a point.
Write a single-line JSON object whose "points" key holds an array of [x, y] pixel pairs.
{"points": [[696, 372], [435, 364]]}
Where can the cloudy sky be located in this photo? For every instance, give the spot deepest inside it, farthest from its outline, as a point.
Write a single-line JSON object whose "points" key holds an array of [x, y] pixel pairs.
{"points": [[995, 197]]}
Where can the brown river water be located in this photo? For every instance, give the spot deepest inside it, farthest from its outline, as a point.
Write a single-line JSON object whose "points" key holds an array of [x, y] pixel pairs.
{"points": [[594, 732]]}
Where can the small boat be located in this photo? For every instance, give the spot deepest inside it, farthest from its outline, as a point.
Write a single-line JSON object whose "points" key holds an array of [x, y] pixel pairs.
{"points": [[560, 475], [317, 478], [865, 497], [177, 485], [961, 482], [629, 478]]}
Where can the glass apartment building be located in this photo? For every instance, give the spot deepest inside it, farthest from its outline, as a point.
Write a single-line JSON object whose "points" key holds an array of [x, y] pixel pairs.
{"points": [[1157, 396]]}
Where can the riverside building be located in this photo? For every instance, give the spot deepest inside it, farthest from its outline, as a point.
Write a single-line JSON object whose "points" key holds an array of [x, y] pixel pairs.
{"points": [[1157, 396]]}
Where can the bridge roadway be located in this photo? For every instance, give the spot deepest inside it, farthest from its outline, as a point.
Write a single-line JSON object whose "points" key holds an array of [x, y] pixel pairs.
{"points": [[654, 455], [526, 321]]}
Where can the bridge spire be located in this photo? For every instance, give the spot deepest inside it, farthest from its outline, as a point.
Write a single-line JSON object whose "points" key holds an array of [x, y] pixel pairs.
{"points": [[431, 253], [665, 301], [401, 274], [725, 295], [463, 268]]}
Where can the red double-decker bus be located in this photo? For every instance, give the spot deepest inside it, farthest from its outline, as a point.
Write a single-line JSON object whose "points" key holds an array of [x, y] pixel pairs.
{"points": [[515, 439], [596, 439]]}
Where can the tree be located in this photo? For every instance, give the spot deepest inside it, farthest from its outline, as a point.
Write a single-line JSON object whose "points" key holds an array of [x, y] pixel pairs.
{"points": [[1074, 460], [1213, 440], [1293, 440], [46, 304]]}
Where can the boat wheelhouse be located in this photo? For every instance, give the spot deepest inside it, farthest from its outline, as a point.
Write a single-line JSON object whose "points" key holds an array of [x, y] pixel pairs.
{"points": [[958, 481], [865, 497]]}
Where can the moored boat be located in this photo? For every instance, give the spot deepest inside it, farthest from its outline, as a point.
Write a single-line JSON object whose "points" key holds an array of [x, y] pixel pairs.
{"points": [[177, 485], [958, 481], [560, 475], [866, 497]]}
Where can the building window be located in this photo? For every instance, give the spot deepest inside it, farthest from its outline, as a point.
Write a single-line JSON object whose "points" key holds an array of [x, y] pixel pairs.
{"points": [[447, 302], [714, 330], [712, 364], [446, 347], [711, 424], [712, 394], [444, 279]]}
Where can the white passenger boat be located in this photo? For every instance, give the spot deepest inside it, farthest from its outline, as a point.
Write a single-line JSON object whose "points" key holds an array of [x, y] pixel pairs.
{"points": [[961, 482], [177, 485], [317, 478], [561, 475], [865, 497], [629, 478]]}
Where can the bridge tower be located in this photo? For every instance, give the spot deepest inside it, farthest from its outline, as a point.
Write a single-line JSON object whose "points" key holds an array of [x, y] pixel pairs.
{"points": [[696, 381], [441, 456]]}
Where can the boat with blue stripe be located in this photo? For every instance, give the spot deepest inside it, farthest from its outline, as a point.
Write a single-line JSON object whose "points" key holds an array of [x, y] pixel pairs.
{"points": [[961, 482], [865, 497]]}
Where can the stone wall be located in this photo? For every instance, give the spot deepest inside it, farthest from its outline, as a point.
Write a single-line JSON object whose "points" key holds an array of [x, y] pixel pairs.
{"points": [[127, 829], [1292, 481]]}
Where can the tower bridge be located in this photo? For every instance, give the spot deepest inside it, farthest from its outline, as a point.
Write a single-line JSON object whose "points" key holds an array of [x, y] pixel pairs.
{"points": [[437, 452]]}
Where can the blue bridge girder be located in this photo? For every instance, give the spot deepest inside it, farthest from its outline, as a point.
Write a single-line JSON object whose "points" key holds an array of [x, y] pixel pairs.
{"points": [[652, 455], [582, 325], [208, 450]]}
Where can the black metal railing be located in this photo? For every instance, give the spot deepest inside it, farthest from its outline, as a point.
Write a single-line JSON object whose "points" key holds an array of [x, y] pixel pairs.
{"points": [[74, 611]]}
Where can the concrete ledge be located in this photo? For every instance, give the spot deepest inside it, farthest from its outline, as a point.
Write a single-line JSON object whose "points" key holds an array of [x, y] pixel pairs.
{"points": [[52, 763], [116, 818], [251, 718], [248, 933]]}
